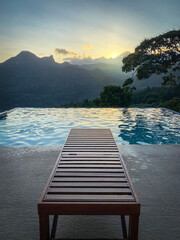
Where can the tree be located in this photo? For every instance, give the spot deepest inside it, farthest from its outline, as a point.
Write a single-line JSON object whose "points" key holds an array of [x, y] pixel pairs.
{"points": [[158, 55], [115, 96], [173, 104], [127, 85], [111, 96]]}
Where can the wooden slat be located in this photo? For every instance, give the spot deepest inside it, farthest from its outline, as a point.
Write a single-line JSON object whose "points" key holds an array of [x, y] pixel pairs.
{"points": [[89, 169], [89, 159], [88, 197], [92, 239], [91, 132], [89, 166], [89, 162], [89, 155], [88, 184], [95, 174], [91, 140], [91, 190], [99, 144], [91, 137], [94, 142], [89, 146], [87, 179], [88, 149]]}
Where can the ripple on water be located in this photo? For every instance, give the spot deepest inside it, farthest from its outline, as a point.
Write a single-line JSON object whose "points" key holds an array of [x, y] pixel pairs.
{"points": [[50, 126]]}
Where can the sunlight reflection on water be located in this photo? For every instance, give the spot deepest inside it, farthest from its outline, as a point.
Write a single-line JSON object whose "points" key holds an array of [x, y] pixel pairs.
{"points": [[50, 126]]}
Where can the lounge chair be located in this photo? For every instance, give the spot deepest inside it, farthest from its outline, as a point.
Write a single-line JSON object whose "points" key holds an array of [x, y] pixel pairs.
{"points": [[89, 178]]}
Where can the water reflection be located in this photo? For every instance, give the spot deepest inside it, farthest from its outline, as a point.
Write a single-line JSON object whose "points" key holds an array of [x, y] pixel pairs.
{"points": [[150, 126], [48, 126]]}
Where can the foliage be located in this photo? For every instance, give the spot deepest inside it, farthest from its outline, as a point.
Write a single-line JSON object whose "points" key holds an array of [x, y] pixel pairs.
{"points": [[152, 98], [127, 85], [158, 55], [149, 97], [173, 104], [156, 96], [111, 96], [169, 80], [114, 96]]}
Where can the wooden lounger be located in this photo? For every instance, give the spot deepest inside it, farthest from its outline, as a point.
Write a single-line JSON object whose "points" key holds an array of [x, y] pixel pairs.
{"points": [[89, 178]]}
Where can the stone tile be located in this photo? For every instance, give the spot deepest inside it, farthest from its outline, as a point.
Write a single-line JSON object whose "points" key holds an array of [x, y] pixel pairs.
{"points": [[155, 173]]}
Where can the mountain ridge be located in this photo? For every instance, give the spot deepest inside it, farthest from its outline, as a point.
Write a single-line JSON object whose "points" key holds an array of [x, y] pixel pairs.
{"points": [[29, 81]]}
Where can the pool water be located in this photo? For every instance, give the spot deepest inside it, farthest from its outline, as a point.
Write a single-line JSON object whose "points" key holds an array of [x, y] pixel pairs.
{"points": [[50, 126]]}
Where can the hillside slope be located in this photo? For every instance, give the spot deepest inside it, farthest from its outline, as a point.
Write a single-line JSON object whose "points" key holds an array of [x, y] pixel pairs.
{"points": [[29, 81]]}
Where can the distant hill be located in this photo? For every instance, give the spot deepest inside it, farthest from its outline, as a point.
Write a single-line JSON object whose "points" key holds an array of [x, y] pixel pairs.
{"points": [[29, 81], [114, 71], [113, 68]]}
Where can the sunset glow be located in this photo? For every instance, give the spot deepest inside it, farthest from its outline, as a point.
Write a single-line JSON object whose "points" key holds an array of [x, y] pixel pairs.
{"points": [[114, 55], [80, 28]]}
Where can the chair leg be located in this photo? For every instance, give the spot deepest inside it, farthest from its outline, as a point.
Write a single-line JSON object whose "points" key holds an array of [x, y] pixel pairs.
{"points": [[54, 226], [133, 227], [124, 229], [44, 227]]}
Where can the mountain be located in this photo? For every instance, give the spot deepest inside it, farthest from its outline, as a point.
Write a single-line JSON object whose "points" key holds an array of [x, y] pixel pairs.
{"points": [[29, 81], [113, 68]]}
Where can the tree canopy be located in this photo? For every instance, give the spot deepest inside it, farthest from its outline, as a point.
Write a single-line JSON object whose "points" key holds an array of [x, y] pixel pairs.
{"points": [[158, 55], [111, 96], [115, 96]]}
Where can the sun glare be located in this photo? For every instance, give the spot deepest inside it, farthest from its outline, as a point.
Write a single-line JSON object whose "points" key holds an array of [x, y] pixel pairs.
{"points": [[114, 55]]}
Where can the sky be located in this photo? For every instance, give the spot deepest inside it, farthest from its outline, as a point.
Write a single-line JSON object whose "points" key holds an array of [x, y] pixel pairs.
{"points": [[82, 29]]}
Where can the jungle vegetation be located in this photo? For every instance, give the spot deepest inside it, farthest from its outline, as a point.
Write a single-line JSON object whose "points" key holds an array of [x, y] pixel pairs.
{"points": [[159, 55]]}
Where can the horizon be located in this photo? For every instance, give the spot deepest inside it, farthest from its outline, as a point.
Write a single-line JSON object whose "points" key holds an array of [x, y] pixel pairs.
{"points": [[80, 62], [74, 31]]}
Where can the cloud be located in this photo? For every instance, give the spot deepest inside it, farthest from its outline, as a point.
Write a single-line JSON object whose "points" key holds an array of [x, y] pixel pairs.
{"points": [[87, 47], [63, 51], [87, 59], [69, 59]]}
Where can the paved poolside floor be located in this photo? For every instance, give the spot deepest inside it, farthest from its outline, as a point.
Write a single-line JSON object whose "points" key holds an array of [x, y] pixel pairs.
{"points": [[154, 170]]}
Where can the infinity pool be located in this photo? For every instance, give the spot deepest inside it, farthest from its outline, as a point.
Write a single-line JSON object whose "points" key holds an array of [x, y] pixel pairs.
{"points": [[50, 126]]}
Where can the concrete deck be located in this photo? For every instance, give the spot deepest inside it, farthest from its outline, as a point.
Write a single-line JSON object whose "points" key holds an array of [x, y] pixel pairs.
{"points": [[154, 170]]}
